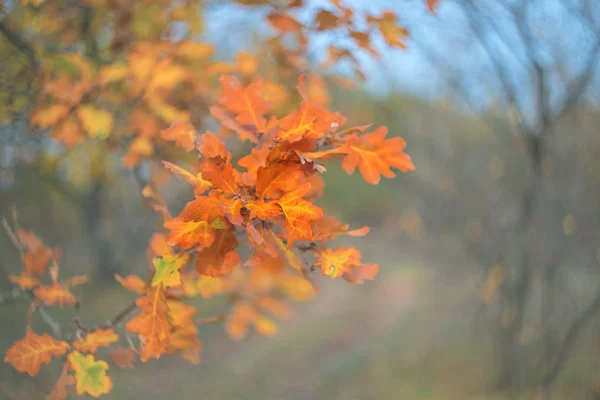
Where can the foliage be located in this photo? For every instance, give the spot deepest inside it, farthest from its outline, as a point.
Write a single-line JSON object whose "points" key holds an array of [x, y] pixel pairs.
{"points": [[134, 76]]}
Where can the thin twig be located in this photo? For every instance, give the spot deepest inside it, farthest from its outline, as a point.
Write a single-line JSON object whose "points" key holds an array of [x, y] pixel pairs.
{"points": [[13, 237]]}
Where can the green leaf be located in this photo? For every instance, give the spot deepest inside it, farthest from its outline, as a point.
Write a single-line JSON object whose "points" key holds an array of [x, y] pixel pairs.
{"points": [[167, 269], [90, 375]]}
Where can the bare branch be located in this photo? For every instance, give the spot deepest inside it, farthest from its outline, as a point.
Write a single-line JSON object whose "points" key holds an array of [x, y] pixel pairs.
{"points": [[497, 65]]}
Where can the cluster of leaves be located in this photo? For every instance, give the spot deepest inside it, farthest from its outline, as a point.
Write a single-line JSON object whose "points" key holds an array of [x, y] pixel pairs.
{"points": [[268, 207], [142, 68], [252, 233]]}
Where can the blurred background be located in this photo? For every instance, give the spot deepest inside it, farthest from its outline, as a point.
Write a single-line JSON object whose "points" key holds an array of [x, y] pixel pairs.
{"points": [[490, 250]]}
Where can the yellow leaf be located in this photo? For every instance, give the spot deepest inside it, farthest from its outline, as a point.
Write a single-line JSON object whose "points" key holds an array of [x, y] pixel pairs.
{"points": [[113, 73], [90, 375], [96, 122]]}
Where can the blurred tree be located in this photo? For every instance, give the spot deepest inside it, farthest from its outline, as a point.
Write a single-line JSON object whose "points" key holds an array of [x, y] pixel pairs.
{"points": [[529, 217]]}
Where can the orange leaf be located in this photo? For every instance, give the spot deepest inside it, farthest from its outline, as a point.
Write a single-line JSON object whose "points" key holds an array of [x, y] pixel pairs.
{"points": [[213, 147], [277, 179], [123, 357], [24, 281], [265, 326], [432, 5], [182, 133], [375, 156], [60, 389], [95, 339], [361, 272], [335, 263], [47, 117], [263, 210], [298, 213], [393, 34], [159, 246], [189, 234], [200, 184], [241, 315], [222, 176], [184, 337], [326, 20], [132, 283], [309, 122], [247, 104], [297, 288], [151, 323], [29, 353], [203, 208], [284, 23], [220, 258], [55, 294]]}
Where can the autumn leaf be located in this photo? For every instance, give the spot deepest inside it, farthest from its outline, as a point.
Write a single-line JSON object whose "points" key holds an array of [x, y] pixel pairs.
{"points": [[166, 76], [50, 116], [184, 337], [182, 133], [90, 375], [220, 258], [277, 179], [246, 63], [97, 123], [213, 147], [200, 184], [24, 281], [263, 210], [247, 104], [289, 255], [265, 326], [432, 5], [167, 269], [297, 288], [284, 23], [375, 156], [334, 263], [222, 176], [37, 255], [239, 319], [203, 208], [309, 122], [151, 323], [298, 213], [95, 339], [60, 388], [113, 73], [393, 34], [132, 283], [55, 294], [123, 357], [190, 234], [362, 272], [28, 354], [326, 20]]}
